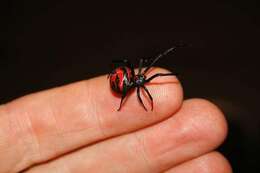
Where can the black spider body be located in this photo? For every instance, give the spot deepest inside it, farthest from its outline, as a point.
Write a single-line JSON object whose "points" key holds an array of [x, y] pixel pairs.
{"points": [[123, 78]]}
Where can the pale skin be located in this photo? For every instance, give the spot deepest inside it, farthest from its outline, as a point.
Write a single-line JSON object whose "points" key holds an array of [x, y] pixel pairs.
{"points": [[77, 129]]}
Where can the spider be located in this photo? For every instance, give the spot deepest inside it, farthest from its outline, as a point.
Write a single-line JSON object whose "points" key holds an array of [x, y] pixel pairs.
{"points": [[123, 78]]}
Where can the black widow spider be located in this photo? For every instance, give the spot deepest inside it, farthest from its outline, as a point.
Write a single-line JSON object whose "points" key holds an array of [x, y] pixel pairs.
{"points": [[123, 78]]}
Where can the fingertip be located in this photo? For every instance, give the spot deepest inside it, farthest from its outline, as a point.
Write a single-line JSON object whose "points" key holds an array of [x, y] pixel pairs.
{"points": [[212, 162], [218, 163], [208, 120]]}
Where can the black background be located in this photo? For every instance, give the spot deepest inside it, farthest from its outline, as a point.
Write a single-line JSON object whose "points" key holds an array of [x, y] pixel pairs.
{"points": [[51, 43]]}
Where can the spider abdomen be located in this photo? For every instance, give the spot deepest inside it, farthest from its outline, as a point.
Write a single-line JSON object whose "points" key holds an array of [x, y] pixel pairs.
{"points": [[121, 79]]}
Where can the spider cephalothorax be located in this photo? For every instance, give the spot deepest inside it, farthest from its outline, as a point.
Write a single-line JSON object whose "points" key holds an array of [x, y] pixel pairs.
{"points": [[123, 78]]}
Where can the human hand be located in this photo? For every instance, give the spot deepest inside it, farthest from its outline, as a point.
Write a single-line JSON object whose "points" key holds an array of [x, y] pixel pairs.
{"points": [[76, 129]]}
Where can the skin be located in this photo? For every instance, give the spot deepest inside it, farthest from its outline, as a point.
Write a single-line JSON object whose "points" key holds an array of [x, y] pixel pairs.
{"points": [[76, 129]]}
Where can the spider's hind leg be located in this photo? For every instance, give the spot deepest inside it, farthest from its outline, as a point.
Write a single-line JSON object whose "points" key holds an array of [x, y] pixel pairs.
{"points": [[121, 102]]}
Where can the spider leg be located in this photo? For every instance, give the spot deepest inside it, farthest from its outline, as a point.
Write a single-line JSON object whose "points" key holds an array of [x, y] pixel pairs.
{"points": [[122, 99], [158, 57], [151, 98], [139, 97], [158, 75]]}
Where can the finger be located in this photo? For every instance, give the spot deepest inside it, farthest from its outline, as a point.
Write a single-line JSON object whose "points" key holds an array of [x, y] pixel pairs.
{"points": [[197, 128], [212, 162], [44, 125]]}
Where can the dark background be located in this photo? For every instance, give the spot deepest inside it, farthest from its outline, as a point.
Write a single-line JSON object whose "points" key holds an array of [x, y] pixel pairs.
{"points": [[50, 43]]}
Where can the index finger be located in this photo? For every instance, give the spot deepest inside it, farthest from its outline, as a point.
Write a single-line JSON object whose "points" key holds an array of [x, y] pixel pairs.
{"points": [[45, 125]]}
